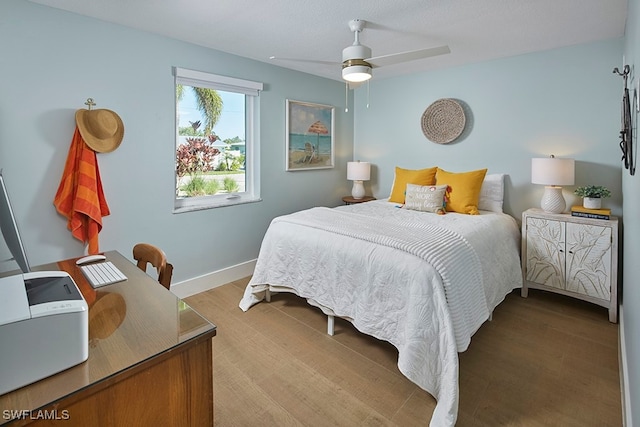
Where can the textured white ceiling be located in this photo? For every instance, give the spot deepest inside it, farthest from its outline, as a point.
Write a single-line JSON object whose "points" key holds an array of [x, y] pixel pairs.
{"points": [[475, 30]]}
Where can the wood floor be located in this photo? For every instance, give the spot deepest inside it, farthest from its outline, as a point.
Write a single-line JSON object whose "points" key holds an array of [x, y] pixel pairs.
{"points": [[546, 360]]}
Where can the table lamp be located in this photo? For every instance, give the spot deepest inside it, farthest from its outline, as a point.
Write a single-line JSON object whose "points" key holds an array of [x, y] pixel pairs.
{"points": [[358, 172], [553, 173]]}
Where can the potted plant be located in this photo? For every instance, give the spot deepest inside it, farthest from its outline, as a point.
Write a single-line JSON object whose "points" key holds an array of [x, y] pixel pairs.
{"points": [[592, 195]]}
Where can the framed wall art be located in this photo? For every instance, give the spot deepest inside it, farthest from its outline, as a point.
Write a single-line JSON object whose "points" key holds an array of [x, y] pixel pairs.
{"points": [[309, 136]]}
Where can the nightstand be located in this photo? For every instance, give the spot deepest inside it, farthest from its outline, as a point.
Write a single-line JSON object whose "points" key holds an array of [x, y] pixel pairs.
{"points": [[573, 256], [349, 200]]}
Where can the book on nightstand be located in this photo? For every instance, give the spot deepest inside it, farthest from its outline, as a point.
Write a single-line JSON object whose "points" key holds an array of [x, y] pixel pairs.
{"points": [[580, 211]]}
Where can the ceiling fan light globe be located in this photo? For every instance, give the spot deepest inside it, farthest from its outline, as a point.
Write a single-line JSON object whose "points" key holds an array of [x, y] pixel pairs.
{"points": [[356, 73]]}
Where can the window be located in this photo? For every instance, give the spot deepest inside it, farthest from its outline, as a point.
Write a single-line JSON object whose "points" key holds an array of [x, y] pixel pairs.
{"points": [[217, 149]]}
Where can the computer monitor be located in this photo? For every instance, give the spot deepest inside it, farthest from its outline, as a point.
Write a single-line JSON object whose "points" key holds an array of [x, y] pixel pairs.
{"points": [[10, 229]]}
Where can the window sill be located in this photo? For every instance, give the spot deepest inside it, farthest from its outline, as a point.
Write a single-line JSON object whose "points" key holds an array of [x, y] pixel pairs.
{"points": [[220, 204]]}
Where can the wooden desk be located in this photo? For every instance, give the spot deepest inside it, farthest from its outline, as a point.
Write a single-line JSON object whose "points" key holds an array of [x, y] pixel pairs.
{"points": [[150, 361]]}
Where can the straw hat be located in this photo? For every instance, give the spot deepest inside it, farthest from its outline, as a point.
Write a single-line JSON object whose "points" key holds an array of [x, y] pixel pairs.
{"points": [[101, 129]]}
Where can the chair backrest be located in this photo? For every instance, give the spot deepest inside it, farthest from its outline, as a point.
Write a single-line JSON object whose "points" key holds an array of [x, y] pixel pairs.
{"points": [[144, 254]]}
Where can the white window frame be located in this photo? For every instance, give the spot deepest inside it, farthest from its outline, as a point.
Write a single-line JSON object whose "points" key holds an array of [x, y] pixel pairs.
{"points": [[252, 135]]}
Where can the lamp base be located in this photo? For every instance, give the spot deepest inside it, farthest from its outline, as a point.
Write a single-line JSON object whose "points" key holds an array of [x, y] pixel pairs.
{"points": [[553, 200], [357, 192]]}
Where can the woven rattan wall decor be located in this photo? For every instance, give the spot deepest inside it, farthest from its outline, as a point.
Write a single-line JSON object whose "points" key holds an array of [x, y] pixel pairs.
{"points": [[443, 121]]}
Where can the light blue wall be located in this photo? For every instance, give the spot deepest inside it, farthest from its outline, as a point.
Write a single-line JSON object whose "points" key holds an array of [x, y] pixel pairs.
{"points": [[563, 102], [631, 270], [52, 61]]}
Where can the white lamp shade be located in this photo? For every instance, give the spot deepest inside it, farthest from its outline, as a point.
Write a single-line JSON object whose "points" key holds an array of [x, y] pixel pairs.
{"points": [[358, 171], [552, 171]]}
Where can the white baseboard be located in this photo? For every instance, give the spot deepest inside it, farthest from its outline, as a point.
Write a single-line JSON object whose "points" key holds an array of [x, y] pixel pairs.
{"points": [[212, 280], [624, 374]]}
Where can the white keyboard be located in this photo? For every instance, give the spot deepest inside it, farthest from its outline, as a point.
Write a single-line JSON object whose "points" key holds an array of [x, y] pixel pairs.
{"points": [[102, 274]]}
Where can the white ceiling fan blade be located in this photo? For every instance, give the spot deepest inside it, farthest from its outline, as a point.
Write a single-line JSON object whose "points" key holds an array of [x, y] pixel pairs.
{"points": [[412, 55], [313, 61]]}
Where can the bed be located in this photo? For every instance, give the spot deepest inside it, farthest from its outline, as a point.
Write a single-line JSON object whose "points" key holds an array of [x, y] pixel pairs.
{"points": [[423, 282]]}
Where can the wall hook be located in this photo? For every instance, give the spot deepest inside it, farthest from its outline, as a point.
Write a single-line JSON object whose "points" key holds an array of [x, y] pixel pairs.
{"points": [[624, 74], [89, 103]]}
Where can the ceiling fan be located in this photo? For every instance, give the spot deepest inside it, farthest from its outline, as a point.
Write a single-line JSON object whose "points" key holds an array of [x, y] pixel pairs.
{"points": [[357, 61]]}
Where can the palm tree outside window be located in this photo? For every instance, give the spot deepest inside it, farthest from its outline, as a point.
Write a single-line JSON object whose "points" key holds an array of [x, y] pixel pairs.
{"points": [[217, 148]]}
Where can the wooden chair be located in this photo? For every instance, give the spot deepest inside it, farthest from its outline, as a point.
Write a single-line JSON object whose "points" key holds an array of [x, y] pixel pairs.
{"points": [[145, 254]]}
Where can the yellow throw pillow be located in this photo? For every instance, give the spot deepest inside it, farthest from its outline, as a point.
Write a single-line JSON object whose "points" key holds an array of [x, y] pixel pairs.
{"points": [[464, 189], [408, 176]]}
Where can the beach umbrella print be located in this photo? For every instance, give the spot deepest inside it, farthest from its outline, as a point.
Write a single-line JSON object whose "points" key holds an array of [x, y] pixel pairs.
{"points": [[319, 129]]}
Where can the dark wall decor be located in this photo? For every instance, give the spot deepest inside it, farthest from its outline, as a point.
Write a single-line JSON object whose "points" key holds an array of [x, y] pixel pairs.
{"points": [[626, 134]]}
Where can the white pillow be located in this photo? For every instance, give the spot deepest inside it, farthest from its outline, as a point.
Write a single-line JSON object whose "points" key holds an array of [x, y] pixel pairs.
{"points": [[425, 198], [492, 193]]}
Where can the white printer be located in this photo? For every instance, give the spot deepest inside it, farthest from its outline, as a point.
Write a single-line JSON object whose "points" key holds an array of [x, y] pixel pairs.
{"points": [[44, 327]]}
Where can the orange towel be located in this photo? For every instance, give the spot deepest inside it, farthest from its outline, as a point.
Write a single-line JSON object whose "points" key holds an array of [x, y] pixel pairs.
{"points": [[79, 197]]}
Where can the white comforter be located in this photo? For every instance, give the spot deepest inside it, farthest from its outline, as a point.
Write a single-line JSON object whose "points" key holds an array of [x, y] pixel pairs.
{"points": [[421, 281]]}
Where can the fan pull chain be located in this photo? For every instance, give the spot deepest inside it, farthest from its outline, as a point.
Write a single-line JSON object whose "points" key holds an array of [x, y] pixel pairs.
{"points": [[346, 97], [368, 81]]}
